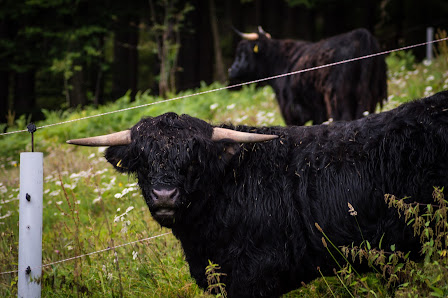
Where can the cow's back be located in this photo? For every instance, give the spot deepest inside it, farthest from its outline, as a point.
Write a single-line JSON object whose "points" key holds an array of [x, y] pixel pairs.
{"points": [[341, 92]]}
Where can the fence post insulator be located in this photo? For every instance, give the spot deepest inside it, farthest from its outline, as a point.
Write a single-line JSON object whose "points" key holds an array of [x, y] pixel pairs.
{"points": [[32, 129]]}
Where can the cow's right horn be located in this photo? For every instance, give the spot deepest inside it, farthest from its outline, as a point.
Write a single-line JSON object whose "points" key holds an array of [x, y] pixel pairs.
{"points": [[261, 31], [113, 139], [220, 133], [248, 36]]}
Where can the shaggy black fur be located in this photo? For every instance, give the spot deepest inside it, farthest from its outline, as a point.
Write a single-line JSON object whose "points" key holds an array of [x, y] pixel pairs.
{"points": [[253, 209], [337, 92]]}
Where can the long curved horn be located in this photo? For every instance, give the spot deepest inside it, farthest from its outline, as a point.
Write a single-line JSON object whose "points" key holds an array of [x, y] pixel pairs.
{"points": [[239, 136], [248, 36], [261, 31], [113, 139]]}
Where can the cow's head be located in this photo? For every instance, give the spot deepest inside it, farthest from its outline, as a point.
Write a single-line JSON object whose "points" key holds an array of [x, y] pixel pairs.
{"points": [[175, 158], [249, 54]]}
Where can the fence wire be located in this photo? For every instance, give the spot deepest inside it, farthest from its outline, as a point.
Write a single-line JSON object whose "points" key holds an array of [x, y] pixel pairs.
{"points": [[88, 254], [234, 86]]}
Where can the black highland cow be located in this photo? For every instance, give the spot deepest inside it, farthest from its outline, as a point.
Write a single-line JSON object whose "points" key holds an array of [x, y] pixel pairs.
{"points": [[337, 92], [250, 203]]}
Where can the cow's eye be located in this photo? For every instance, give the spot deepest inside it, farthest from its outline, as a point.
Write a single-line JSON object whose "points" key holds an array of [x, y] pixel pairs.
{"points": [[192, 166]]}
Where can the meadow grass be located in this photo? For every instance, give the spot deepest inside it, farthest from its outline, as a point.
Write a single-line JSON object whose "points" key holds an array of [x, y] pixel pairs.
{"points": [[89, 207]]}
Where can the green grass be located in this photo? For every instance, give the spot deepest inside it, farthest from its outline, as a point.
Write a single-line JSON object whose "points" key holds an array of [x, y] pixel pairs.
{"points": [[89, 207]]}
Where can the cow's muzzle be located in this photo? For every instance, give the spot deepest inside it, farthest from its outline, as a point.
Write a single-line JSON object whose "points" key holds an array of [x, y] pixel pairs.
{"points": [[164, 203]]}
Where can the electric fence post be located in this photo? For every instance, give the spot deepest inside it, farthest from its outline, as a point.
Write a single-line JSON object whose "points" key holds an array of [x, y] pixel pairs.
{"points": [[30, 221]]}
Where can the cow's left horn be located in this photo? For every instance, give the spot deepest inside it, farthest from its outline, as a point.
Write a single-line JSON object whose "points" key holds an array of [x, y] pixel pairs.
{"points": [[248, 36], [239, 136], [113, 139]]}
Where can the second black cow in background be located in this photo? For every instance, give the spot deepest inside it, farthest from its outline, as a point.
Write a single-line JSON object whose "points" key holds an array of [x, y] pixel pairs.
{"points": [[341, 92]]}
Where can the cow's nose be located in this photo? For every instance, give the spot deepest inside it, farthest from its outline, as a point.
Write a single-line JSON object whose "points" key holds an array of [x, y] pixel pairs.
{"points": [[165, 195]]}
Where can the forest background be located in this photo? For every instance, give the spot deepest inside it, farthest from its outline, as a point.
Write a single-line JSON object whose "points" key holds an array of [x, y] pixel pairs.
{"points": [[57, 54]]}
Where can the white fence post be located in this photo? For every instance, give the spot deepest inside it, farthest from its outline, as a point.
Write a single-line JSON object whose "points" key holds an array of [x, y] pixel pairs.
{"points": [[30, 224], [429, 38]]}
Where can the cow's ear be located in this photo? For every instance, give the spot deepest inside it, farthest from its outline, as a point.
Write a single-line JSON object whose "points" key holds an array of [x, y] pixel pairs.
{"points": [[120, 157], [229, 150]]}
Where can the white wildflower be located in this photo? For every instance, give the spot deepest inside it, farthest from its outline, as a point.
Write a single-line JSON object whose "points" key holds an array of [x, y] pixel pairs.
{"points": [[214, 106], [134, 255], [55, 193], [244, 117], [70, 186], [428, 91], [8, 214], [230, 107], [101, 171], [126, 223], [96, 200]]}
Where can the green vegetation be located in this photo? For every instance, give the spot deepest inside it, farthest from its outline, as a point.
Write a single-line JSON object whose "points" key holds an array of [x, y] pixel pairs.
{"points": [[89, 207]]}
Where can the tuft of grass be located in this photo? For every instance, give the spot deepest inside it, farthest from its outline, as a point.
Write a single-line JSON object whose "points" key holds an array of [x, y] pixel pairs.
{"points": [[215, 285], [396, 274]]}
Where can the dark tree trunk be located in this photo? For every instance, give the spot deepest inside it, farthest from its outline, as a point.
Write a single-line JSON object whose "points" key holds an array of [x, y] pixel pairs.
{"points": [[219, 73], [4, 95], [196, 56], [369, 15], [334, 20], [99, 80], [6, 32], [125, 64], [133, 60], [24, 92], [78, 91]]}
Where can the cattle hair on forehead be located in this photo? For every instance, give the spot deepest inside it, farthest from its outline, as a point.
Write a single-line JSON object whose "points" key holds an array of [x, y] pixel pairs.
{"points": [[171, 125], [251, 206]]}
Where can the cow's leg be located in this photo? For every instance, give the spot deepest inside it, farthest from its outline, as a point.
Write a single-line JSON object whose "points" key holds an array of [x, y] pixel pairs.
{"points": [[329, 105]]}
